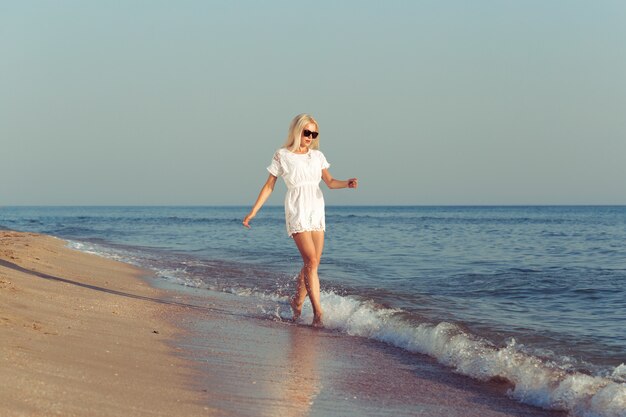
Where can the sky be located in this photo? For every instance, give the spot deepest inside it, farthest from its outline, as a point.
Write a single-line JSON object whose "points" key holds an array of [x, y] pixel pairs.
{"points": [[426, 102]]}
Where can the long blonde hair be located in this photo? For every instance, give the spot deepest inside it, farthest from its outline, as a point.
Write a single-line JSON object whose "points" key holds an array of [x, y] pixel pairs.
{"points": [[295, 131]]}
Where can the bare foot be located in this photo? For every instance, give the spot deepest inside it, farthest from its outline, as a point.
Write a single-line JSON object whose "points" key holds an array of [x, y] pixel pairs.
{"points": [[297, 310], [317, 321]]}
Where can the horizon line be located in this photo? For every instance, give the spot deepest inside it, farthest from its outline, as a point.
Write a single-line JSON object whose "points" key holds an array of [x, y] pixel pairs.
{"points": [[328, 205]]}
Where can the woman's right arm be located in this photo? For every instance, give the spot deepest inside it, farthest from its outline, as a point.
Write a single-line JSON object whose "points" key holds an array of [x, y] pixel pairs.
{"points": [[266, 190]]}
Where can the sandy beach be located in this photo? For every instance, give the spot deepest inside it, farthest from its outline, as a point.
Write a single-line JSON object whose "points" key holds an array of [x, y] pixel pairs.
{"points": [[81, 335]]}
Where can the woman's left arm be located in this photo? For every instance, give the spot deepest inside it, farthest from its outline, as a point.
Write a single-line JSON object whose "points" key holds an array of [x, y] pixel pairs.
{"points": [[334, 184]]}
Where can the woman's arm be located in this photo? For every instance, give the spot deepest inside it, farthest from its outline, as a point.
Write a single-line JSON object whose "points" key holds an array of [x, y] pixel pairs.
{"points": [[266, 190], [334, 184]]}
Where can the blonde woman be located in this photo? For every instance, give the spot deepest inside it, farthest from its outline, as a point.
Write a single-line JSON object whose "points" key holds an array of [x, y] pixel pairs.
{"points": [[302, 166]]}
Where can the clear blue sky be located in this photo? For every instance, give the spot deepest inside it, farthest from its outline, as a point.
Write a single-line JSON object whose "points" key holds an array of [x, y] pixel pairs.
{"points": [[426, 102]]}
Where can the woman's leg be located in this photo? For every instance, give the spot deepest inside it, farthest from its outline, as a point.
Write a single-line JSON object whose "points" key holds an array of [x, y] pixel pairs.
{"points": [[301, 287], [309, 243], [299, 297]]}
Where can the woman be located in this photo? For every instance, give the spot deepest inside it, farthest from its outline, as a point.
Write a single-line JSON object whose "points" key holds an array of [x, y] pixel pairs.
{"points": [[302, 165]]}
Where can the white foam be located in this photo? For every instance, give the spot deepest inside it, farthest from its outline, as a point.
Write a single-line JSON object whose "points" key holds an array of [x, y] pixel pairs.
{"points": [[537, 382], [619, 373], [98, 250]]}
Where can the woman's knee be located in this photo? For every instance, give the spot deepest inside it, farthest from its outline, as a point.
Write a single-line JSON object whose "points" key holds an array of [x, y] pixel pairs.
{"points": [[311, 262]]}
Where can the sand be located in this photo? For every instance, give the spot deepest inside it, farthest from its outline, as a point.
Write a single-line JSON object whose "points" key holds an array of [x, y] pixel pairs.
{"points": [[81, 335]]}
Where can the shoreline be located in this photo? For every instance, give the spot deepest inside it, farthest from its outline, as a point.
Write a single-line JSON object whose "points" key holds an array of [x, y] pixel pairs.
{"points": [[253, 365], [82, 335]]}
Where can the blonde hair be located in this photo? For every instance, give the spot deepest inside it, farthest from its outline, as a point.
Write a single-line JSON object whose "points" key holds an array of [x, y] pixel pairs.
{"points": [[295, 132]]}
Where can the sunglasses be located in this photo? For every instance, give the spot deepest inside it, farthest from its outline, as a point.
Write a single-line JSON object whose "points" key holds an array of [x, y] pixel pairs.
{"points": [[308, 133]]}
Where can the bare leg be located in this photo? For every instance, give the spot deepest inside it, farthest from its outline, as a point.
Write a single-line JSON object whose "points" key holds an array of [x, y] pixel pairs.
{"points": [[318, 242], [310, 245], [299, 297]]}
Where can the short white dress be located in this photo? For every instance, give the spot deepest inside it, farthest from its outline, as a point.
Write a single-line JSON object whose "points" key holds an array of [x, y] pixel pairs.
{"points": [[304, 201]]}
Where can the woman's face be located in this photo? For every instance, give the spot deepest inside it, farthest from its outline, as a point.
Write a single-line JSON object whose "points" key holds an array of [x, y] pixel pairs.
{"points": [[304, 140]]}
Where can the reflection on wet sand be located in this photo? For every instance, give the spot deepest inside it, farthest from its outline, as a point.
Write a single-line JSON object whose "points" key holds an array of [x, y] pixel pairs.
{"points": [[301, 375]]}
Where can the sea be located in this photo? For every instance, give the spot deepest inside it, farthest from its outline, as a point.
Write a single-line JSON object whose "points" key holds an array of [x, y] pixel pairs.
{"points": [[533, 295]]}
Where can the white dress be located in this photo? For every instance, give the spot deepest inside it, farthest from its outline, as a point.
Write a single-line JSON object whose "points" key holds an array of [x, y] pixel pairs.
{"points": [[304, 202]]}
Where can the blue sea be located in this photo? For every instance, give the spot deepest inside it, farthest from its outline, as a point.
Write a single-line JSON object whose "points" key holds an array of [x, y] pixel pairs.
{"points": [[535, 296]]}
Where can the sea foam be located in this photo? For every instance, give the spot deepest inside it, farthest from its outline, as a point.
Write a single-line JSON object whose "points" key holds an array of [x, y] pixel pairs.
{"points": [[535, 381]]}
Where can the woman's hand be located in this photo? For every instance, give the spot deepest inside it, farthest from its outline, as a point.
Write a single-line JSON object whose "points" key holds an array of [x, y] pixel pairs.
{"points": [[246, 220], [353, 183]]}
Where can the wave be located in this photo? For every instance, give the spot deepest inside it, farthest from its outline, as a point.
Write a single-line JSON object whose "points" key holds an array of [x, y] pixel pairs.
{"points": [[535, 381], [540, 381]]}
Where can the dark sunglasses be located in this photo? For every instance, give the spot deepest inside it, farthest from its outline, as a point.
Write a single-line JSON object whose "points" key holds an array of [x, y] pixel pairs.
{"points": [[308, 133]]}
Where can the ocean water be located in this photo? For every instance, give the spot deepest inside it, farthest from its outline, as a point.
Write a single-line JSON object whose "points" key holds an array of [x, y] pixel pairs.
{"points": [[532, 295]]}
